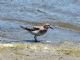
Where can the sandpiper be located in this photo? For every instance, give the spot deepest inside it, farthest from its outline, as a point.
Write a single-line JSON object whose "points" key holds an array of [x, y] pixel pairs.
{"points": [[38, 30]]}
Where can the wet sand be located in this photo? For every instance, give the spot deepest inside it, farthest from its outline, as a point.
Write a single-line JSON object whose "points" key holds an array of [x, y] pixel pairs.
{"points": [[40, 51]]}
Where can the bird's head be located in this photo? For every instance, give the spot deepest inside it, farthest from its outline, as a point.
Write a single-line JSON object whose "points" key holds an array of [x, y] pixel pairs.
{"points": [[46, 26]]}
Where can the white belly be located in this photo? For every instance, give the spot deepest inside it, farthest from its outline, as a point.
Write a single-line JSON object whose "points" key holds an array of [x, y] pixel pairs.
{"points": [[38, 33]]}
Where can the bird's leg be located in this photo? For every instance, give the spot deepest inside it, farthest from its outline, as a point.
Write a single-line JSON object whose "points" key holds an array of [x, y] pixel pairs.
{"points": [[35, 37]]}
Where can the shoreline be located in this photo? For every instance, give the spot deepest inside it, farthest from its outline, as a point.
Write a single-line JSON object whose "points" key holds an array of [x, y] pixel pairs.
{"points": [[39, 51]]}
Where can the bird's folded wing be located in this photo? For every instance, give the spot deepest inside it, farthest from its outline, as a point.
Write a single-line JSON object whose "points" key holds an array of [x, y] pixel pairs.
{"points": [[38, 27]]}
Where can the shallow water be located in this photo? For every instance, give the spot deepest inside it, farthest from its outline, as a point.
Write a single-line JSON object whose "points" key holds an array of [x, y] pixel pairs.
{"points": [[14, 13]]}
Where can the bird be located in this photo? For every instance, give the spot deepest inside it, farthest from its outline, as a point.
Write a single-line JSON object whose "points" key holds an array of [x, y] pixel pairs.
{"points": [[38, 30]]}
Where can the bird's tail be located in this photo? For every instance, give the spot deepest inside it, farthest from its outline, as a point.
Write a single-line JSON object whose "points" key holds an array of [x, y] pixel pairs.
{"points": [[25, 28]]}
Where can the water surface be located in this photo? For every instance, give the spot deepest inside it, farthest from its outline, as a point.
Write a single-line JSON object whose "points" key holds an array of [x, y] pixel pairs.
{"points": [[14, 13]]}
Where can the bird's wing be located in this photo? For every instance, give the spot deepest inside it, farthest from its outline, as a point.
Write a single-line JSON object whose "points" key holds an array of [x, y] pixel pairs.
{"points": [[39, 27], [35, 28]]}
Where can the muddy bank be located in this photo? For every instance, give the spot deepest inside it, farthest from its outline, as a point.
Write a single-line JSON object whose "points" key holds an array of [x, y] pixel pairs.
{"points": [[39, 51]]}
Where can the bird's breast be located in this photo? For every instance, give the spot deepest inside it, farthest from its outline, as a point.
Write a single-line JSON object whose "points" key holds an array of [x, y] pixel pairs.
{"points": [[42, 32]]}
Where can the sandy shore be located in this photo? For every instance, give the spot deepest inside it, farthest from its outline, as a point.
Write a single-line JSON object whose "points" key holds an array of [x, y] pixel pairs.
{"points": [[39, 51]]}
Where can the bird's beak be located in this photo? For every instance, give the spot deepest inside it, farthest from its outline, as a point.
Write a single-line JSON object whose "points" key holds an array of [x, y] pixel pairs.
{"points": [[51, 27]]}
